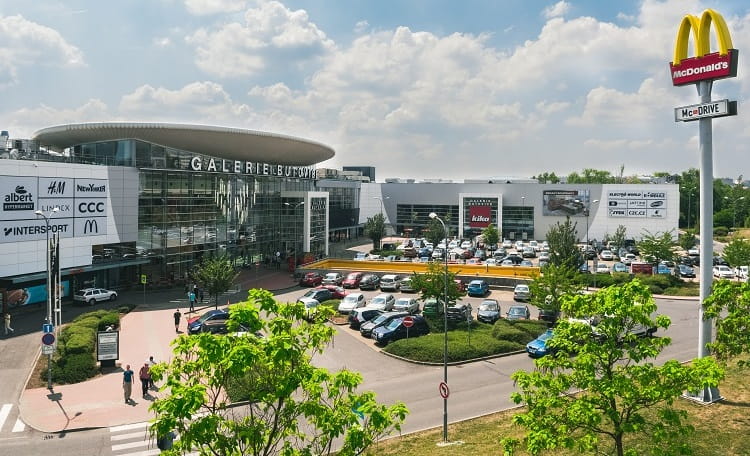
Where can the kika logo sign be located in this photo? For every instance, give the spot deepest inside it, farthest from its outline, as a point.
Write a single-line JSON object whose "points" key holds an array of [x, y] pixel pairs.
{"points": [[479, 216], [704, 65], [19, 200]]}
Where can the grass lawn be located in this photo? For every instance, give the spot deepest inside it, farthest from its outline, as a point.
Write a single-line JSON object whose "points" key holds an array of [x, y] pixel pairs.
{"points": [[720, 429]]}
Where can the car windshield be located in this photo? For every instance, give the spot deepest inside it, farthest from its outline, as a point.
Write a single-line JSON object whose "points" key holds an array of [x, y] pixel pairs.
{"points": [[206, 316], [309, 294], [331, 276], [352, 276], [402, 302], [488, 306], [475, 283], [377, 300], [351, 298], [522, 288], [517, 310], [393, 324], [545, 336], [380, 319]]}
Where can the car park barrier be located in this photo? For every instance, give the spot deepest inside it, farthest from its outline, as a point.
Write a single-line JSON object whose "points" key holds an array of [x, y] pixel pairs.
{"points": [[400, 267]]}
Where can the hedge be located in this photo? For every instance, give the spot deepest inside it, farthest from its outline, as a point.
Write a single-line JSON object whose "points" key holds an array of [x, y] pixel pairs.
{"points": [[75, 368], [80, 343]]}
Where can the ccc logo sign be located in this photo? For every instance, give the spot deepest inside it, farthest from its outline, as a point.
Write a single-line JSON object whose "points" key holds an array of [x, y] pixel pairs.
{"points": [[91, 207]]}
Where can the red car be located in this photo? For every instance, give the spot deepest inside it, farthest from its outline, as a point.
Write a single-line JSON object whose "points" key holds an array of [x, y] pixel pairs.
{"points": [[460, 286], [336, 291], [352, 280], [311, 279]]}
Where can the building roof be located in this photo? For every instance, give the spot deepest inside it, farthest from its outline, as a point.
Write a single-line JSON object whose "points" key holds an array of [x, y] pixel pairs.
{"points": [[222, 142]]}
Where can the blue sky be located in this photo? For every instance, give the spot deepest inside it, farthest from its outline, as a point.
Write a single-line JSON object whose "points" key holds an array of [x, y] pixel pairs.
{"points": [[417, 88]]}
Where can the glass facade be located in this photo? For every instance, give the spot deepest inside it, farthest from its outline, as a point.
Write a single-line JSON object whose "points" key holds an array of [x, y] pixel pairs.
{"points": [[518, 222], [413, 218]]}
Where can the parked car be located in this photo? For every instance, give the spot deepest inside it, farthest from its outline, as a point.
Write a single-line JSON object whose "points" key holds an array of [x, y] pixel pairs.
{"points": [[528, 252], [606, 255], [602, 268], [719, 261], [478, 288], [741, 272], [361, 315], [695, 251], [684, 270], [432, 308], [336, 291], [369, 282], [535, 245], [662, 268], [544, 256], [350, 302], [311, 279], [550, 316], [366, 328], [628, 259], [620, 267], [395, 330], [488, 311], [352, 280], [515, 259], [526, 263], [314, 297], [507, 243], [361, 256], [460, 311], [410, 305], [723, 272], [196, 325], [538, 347], [333, 278], [94, 295], [521, 292], [383, 301], [406, 286], [390, 282], [518, 313]]}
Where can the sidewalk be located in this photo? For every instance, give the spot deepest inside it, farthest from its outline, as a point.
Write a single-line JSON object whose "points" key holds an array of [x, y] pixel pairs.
{"points": [[145, 331]]}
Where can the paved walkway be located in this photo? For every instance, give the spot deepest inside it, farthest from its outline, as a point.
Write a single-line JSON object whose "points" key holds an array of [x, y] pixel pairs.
{"points": [[145, 331]]}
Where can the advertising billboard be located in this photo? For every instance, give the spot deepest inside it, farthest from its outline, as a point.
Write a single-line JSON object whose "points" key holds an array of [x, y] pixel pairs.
{"points": [[563, 203], [637, 203], [480, 216], [33, 295]]}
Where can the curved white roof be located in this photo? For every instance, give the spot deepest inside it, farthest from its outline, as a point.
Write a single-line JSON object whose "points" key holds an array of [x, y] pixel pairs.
{"points": [[229, 143]]}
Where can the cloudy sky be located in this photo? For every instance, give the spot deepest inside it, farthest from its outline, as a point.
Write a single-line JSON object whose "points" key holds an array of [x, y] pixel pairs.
{"points": [[416, 88]]}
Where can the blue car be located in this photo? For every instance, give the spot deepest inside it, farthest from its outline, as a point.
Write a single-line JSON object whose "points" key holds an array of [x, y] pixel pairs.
{"points": [[663, 269], [538, 347], [477, 288]]}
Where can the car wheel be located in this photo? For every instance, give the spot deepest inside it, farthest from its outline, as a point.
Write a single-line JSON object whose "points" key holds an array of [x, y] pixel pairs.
{"points": [[92, 301], [113, 297]]}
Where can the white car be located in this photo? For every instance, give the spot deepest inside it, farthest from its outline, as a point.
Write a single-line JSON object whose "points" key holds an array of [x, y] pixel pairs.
{"points": [[333, 278], [535, 245], [94, 295], [628, 259], [390, 282], [453, 244], [601, 268], [519, 246], [741, 272], [521, 293], [723, 272], [507, 244], [465, 245], [695, 251], [410, 305], [361, 256], [607, 255], [383, 301], [350, 302]]}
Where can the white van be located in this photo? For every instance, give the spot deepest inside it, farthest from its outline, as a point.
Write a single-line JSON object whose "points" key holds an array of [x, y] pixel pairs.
{"points": [[741, 272]]}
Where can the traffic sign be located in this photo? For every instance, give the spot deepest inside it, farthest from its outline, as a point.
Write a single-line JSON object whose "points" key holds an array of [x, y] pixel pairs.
{"points": [[408, 321], [444, 391], [143, 279], [718, 108], [48, 349], [48, 339], [48, 328]]}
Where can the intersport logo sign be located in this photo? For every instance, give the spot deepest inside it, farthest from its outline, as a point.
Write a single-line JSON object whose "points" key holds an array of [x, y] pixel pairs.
{"points": [[479, 216]]}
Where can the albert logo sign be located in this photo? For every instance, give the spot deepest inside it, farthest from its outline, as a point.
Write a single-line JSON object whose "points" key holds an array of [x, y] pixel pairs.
{"points": [[705, 65], [479, 216]]}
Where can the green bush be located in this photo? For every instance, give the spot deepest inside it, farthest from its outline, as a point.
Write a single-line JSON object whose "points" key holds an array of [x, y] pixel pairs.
{"points": [[81, 343], [111, 318], [681, 291], [462, 346], [90, 322], [503, 331], [532, 327], [74, 329], [126, 308], [721, 231], [332, 303], [96, 313], [74, 368]]}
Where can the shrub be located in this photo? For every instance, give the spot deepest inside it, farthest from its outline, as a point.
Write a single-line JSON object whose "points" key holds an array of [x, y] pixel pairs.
{"points": [[72, 330], [503, 331], [112, 318], [532, 327], [332, 303], [721, 231], [96, 313], [462, 346], [81, 343], [90, 322], [126, 308], [75, 368]]}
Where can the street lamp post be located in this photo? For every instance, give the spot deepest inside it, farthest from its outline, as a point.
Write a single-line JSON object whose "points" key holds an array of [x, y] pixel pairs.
{"points": [[381, 214], [49, 287], [296, 239], [690, 194], [445, 334], [734, 209], [523, 209]]}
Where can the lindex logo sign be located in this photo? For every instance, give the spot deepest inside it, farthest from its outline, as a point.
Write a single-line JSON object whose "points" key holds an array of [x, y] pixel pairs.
{"points": [[480, 216]]}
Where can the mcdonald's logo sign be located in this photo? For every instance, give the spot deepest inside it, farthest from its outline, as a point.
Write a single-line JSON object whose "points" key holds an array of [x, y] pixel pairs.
{"points": [[704, 65], [90, 226]]}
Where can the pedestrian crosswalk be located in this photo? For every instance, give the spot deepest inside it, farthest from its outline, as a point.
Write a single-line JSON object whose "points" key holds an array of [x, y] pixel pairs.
{"points": [[10, 420], [134, 440]]}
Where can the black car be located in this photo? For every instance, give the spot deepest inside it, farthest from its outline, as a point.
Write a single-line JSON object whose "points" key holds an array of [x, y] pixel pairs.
{"points": [[719, 261], [684, 270], [488, 311], [367, 327], [459, 311], [550, 316], [395, 330], [515, 259], [213, 316], [361, 315], [369, 282]]}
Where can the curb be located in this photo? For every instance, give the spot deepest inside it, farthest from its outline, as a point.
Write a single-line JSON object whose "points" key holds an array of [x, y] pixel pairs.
{"points": [[453, 363]]}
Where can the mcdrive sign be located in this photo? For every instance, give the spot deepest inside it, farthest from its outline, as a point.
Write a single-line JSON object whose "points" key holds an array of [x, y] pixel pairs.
{"points": [[81, 207], [704, 65], [479, 216]]}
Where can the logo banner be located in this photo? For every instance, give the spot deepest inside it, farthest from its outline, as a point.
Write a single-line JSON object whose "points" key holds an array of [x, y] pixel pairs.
{"points": [[480, 216]]}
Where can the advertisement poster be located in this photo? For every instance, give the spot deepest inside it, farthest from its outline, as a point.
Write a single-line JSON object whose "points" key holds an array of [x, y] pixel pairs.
{"points": [[479, 216], [33, 295], [563, 203], [637, 204]]}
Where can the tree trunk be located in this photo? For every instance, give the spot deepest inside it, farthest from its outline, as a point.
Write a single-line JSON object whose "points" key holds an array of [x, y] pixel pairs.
{"points": [[618, 444]]}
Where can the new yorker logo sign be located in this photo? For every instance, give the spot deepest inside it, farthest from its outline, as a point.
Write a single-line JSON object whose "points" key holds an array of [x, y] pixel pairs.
{"points": [[252, 168]]}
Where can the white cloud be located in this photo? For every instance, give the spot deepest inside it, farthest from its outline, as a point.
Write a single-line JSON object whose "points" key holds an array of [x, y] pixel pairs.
{"points": [[205, 7], [23, 122], [560, 8], [624, 17], [26, 44], [271, 34], [162, 42], [361, 26]]}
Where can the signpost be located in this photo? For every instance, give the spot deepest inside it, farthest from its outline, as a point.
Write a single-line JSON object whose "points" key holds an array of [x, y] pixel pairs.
{"points": [[718, 108], [107, 347], [144, 279], [408, 323], [49, 342], [444, 391]]}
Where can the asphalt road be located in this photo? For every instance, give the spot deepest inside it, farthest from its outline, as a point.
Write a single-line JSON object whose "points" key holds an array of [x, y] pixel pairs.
{"points": [[475, 389]]}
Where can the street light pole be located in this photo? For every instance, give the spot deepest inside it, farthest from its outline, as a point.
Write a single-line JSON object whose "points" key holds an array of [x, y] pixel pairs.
{"points": [[445, 333], [296, 239], [49, 287], [381, 214], [690, 195]]}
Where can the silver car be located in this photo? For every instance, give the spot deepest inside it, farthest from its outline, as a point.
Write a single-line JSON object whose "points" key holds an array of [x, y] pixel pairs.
{"points": [[410, 305], [350, 302], [383, 301]]}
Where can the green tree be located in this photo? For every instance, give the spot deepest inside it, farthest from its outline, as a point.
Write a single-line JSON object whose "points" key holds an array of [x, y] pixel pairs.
{"points": [[591, 176], [618, 239], [435, 232], [432, 284], [491, 236], [563, 248], [548, 289], [729, 305], [737, 253], [294, 408], [591, 401], [375, 229], [656, 247], [687, 240], [548, 178], [216, 275]]}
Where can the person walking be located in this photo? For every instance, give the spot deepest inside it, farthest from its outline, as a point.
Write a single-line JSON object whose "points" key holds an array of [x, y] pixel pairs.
{"points": [[151, 362], [127, 383], [177, 315], [201, 293], [145, 376], [191, 298], [7, 323]]}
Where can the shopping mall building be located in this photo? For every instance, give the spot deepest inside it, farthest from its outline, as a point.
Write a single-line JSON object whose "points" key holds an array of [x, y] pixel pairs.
{"points": [[152, 199]]}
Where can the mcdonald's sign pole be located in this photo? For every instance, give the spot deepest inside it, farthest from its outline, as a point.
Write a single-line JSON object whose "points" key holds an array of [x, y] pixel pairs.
{"points": [[703, 69]]}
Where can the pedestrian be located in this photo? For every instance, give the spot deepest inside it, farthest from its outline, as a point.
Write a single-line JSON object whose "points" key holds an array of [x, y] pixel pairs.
{"points": [[127, 383], [191, 298], [151, 362], [201, 293], [177, 316], [166, 441], [7, 324], [145, 376]]}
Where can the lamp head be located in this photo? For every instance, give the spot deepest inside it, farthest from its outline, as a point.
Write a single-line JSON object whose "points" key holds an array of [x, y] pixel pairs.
{"points": [[56, 209], [39, 212], [595, 201], [432, 215]]}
